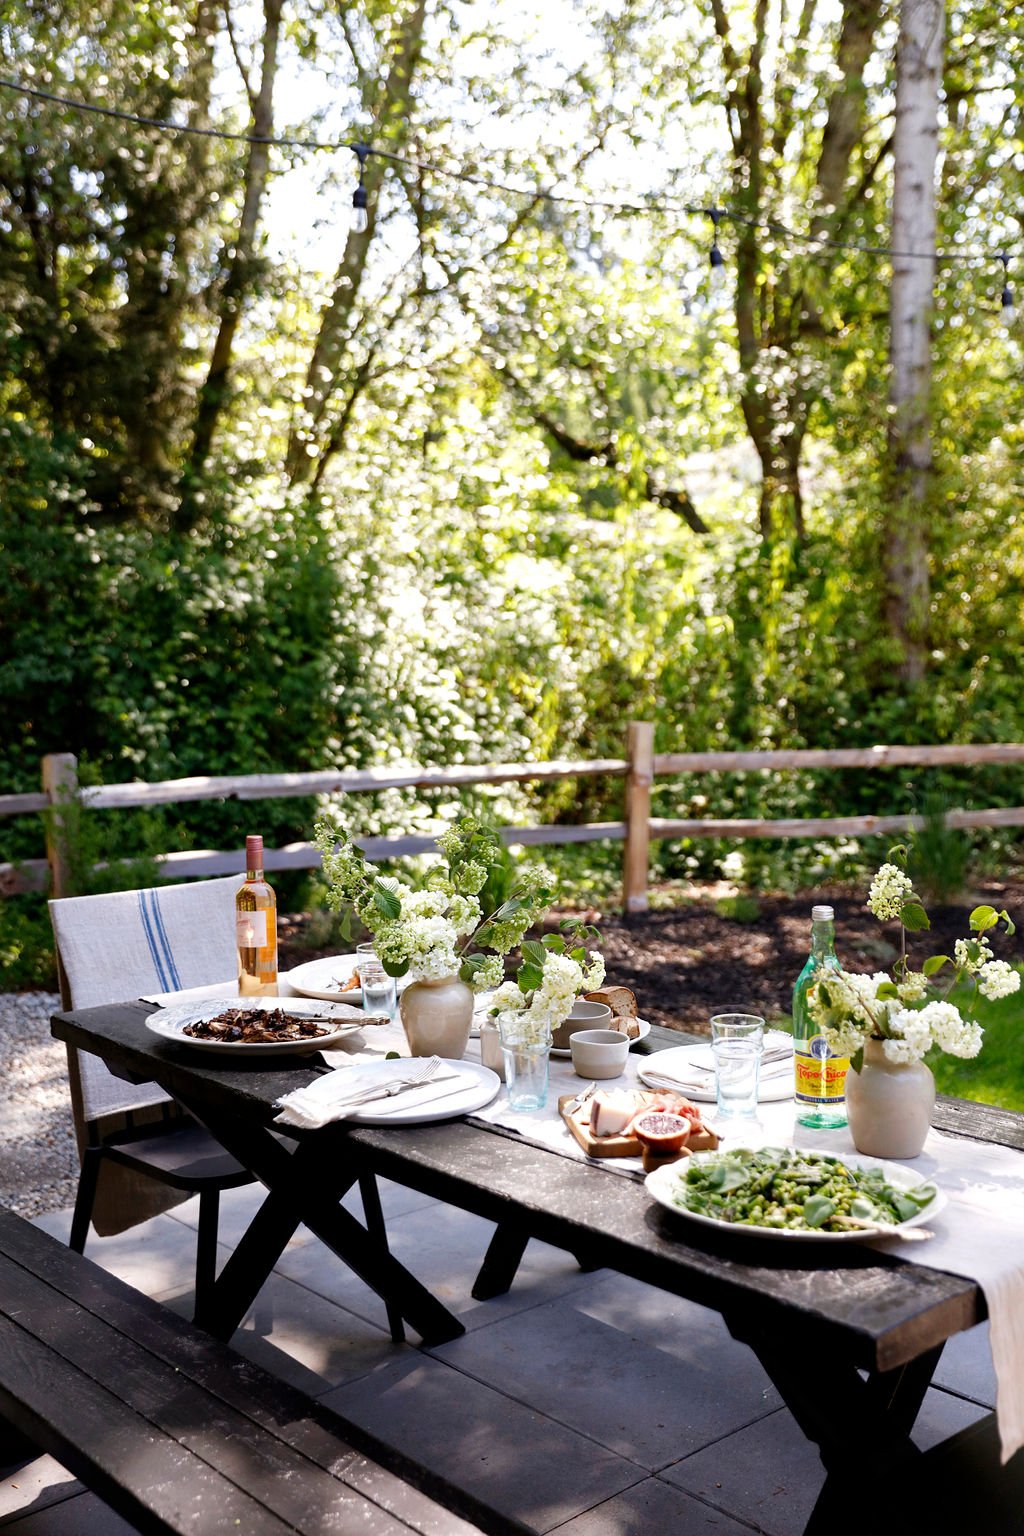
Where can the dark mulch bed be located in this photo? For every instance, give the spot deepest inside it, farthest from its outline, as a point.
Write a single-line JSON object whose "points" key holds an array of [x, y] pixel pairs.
{"points": [[687, 962]]}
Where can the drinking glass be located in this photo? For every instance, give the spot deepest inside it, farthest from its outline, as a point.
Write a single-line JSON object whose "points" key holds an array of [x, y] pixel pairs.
{"points": [[737, 1042], [526, 1065], [380, 991]]}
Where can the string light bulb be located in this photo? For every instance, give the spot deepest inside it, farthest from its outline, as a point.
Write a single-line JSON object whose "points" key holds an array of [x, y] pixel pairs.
{"points": [[360, 215], [716, 261], [1009, 311]]}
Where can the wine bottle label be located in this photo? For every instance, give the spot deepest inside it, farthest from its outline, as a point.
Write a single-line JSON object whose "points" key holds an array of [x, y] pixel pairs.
{"points": [[820, 1078], [251, 930]]}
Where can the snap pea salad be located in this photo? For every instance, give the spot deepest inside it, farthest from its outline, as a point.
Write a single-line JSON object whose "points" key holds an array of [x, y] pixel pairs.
{"points": [[796, 1191]]}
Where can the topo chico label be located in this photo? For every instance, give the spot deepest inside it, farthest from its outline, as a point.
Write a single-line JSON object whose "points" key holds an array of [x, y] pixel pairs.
{"points": [[820, 1077]]}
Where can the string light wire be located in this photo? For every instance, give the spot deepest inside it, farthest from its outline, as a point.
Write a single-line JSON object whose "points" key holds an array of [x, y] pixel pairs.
{"points": [[471, 178]]}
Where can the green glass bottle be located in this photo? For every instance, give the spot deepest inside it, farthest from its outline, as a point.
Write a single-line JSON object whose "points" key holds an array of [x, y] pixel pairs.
{"points": [[820, 1076]]}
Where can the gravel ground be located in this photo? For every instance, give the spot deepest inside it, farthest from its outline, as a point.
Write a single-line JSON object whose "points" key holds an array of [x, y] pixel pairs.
{"points": [[38, 1157]]}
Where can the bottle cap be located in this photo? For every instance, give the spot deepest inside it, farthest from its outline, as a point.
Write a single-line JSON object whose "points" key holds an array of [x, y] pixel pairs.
{"points": [[822, 914], [254, 852]]}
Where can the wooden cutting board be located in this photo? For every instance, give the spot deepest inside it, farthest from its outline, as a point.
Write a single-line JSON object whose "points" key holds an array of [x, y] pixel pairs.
{"points": [[596, 1146], [621, 1146]]}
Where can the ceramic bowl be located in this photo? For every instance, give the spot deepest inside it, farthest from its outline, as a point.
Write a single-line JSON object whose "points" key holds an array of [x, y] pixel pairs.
{"points": [[584, 1016], [598, 1052]]}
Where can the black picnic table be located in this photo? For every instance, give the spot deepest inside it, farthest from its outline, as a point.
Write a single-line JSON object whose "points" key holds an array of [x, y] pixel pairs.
{"points": [[850, 1336]]}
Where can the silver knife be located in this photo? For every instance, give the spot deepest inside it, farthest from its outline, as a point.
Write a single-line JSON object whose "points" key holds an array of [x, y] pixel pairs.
{"points": [[390, 1109]]}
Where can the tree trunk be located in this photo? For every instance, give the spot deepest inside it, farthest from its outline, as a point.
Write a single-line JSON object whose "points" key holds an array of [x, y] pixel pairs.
{"points": [[241, 270], [918, 80], [313, 433]]}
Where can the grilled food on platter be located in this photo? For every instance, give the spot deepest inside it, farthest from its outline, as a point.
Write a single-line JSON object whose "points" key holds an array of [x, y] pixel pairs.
{"points": [[250, 1026]]}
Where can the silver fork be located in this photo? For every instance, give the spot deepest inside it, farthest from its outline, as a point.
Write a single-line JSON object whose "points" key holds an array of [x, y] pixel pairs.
{"points": [[413, 1079]]}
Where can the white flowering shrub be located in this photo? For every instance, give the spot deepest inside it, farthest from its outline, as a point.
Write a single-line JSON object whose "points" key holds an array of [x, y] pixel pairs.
{"points": [[902, 1010]]}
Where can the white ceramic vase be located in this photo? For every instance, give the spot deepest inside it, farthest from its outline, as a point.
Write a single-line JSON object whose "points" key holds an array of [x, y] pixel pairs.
{"points": [[889, 1104], [436, 1017]]}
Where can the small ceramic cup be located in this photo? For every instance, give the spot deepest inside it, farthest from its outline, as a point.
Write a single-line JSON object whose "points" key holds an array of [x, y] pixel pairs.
{"points": [[599, 1052], [584, 1015]]}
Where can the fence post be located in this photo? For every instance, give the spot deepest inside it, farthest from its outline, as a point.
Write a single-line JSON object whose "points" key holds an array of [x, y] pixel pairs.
{"points": [[60, 782], [639, 777]]}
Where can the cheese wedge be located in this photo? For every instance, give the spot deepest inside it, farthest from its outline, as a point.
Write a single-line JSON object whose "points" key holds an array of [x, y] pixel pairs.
{"points": [[610, 1113]]}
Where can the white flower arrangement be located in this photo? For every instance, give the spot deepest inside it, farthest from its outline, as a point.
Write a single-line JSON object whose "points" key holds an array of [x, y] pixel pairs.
{"points": [[548, 984], [851, 1009], [441, 930]]}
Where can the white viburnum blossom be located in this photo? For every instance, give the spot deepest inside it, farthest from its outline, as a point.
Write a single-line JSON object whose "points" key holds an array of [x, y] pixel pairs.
{"points": [[845, 1039], [489, 975], [593, 973], [997, 979], [889, 889], [464, 914], [912, 1036], [971, 954], [940, 1024], [425, 903], [426, 943], [913, 987]]}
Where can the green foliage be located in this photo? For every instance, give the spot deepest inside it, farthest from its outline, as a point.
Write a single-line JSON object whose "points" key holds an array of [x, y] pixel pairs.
{"points": [[738, 909], [482, 560], [942, 855], [996, 1076]]}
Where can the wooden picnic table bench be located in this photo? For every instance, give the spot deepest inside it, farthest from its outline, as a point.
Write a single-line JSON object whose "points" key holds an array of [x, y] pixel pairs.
{"points": [[177, 1432]]}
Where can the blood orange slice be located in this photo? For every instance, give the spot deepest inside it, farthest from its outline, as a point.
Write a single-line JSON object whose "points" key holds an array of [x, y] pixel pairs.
{"points": [[661, 1132]]}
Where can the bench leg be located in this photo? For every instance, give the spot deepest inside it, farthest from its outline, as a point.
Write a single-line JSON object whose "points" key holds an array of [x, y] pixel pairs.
{"points": [[84, 1199]]}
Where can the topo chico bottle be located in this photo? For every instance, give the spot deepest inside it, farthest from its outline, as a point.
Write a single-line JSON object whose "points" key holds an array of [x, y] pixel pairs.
{"points": [[820, 1087], [256, 927]]}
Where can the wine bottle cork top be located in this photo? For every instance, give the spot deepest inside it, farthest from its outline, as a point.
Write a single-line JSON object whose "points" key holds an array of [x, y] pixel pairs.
{"points": [[822, 914], [254, 852]]}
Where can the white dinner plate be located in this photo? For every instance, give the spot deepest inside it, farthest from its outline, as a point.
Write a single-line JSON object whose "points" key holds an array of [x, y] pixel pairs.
{"points": [[325, 978], [170, 1023], [564, 1053], [480, 1085], [694, 1066], [663, 1180]]}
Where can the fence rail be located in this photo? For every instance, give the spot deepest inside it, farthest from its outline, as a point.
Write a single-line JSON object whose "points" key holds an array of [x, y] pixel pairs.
{"points": [[639, 768]]}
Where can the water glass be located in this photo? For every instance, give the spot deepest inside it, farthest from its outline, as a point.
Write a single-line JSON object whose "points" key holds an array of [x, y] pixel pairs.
{"points": [[526, 1066], [737, 1043], [380, 991]]}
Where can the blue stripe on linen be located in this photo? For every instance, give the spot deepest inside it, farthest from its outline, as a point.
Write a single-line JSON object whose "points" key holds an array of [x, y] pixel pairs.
{"points": [[152, 941], [159, 945], [168, 950]]}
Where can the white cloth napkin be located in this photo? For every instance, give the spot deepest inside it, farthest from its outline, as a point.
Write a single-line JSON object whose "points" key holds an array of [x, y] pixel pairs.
{"points": [[684, 1079], [341, 1094]]}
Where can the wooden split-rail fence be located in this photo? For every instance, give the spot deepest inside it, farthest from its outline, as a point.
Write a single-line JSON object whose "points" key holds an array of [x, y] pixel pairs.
{"points": [[639, 768]]}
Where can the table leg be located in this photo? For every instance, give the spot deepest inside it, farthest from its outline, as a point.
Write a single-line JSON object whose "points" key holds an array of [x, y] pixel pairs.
{"points": [[843, 1412], [501, 1261], [236, 1287], [306, 1187]]}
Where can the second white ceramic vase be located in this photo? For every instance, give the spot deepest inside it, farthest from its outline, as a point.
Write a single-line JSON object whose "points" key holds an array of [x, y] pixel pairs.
{"points": [[889, 1104], [436, 1017]]}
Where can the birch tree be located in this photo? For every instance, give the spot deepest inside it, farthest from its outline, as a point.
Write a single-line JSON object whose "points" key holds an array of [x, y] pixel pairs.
{"points": [[918, 80]]}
